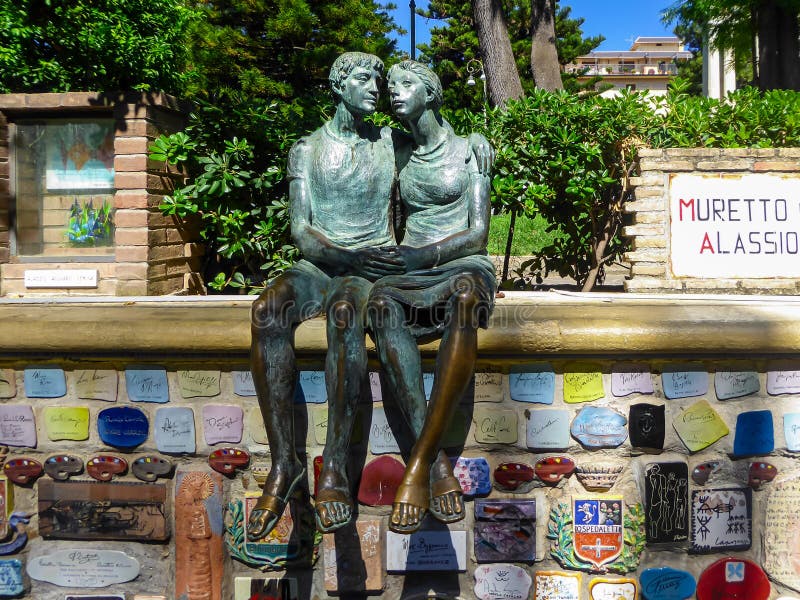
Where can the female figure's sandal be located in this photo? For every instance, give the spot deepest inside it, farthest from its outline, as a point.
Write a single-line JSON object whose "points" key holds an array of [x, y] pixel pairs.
{"points": [[409, 496], [273, 505]]}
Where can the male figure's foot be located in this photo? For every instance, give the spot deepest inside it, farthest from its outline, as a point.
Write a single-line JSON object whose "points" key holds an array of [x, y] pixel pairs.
{"points": [[278, 489], [333, 506], [411, 501], [447, 504]]}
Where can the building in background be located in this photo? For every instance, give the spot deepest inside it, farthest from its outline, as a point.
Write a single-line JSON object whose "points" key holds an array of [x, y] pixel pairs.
{"points": [[648, 65]]}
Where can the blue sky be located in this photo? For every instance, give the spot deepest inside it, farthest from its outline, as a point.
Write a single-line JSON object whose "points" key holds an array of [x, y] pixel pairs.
{"points": [[620, 21]]}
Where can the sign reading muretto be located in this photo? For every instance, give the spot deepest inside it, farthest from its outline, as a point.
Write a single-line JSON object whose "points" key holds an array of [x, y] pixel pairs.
{"points": [[742, 226]]}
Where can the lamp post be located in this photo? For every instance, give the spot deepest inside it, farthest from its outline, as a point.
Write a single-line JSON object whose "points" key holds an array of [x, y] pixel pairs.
{"points": [[475, 66], [412, 5]]}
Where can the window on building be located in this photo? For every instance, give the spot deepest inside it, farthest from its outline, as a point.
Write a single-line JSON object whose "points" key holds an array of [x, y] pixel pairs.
{"points": [[63, 185]]}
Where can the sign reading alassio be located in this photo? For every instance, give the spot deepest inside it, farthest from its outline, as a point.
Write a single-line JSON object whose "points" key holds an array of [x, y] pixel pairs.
{"points": [[735, 226]]}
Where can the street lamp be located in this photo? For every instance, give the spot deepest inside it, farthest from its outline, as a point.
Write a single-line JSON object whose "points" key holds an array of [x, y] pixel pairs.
{"points": [[412, 5], [475, 66]]}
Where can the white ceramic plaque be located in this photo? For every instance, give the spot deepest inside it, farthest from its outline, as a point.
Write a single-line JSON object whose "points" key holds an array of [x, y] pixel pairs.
{"points": [[91, 568], [488, 387], [426, 550], [243, 383], [502, 582], [735, 226], [735, 384], [375, 386], [631, 378], [381, 436], [783, 378], [61, 278]]}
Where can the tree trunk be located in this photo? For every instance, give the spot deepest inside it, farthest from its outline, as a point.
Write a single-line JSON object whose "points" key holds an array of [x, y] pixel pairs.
{"points": [[502, 77], [778, 46], [544, 56]]}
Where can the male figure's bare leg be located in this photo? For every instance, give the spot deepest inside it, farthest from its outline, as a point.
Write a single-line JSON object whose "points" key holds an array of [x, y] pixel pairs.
{"points": [[345, 372], [287, 301]]}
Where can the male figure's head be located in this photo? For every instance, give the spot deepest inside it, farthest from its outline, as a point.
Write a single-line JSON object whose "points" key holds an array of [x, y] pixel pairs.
{"points": [[355, 80]]}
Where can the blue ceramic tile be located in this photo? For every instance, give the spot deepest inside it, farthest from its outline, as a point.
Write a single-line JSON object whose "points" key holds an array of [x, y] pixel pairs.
{"points": [[599, 427], [666, 583], [735, 384], [311, 389], [548, 429], [754, 433], [147, 384], [174, 429], [532, 383], [122, 426], [473, 475], [791, 431], [243, 383], [684, 381], [45, 382], [10, 578]]}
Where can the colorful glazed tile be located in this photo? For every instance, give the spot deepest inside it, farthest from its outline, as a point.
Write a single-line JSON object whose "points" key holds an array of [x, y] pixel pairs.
{"points": [[501, 582], [199, 384], [8, 384], [505, 530], [781, 544], [123, 426], [583, 382], [228, 460], [760, 473], [721, 520], [426, 550], [684, 381], [67, 422], [97, 384], [599, 476], [616, 588], [147, 384], [733, 578], [791, 431], [11, 582], [104, 467], [63, 466], [666, 500], [556, 585], [514, 477], [45, 382], [553, 469], [754, 433], [488, 387], [597, 530], [265, 588], [630, 378], [255, 426], [666, 583], [150, 468], [532, 383], [783, 377], [494, 426], [547, 429], [17, 426], [646, 425], [222, 423], [353, 558], [699, 426], [703, 472], [380, 480], [735, 384], [22, 470], [174, 430], [243, 383], [311, 388], [473, 475], [599, 427]]}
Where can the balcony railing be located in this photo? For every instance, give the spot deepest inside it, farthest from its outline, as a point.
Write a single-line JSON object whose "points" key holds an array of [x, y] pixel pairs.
{"points": [[624, 69]]}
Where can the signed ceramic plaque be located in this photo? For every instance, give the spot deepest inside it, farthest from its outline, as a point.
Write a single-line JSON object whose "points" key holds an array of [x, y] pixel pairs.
{"points": [[501, 582], [97, 384], [17, 425], [666, 583], [8, 384], [222, 423], [67, 422], [721, 520], [123, 426], [631, 378], [699, 426], [684, 381], [599, 427], [791, 431], [532, 383], [488, 387], [243, 383], [85, 567], [147, 384], [493, 426], [174, 430], [783, 377], [583, 382], [646, 424], [666, 486], [607, 588], [556, 585], [547, 429], [426, 550], [45, 382], [754, 433], [199, 384], [353, 558], [735, 384], [11, 583]]}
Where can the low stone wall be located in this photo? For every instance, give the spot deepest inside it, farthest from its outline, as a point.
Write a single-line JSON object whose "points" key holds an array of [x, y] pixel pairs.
{"points": [[587, 340], [152, 255], [654, 243]]}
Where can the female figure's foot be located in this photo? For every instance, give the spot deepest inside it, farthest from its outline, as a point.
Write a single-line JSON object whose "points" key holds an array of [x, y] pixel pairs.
{"points": [[333, 503], [411, 501], [447, 504], [281, 484]]}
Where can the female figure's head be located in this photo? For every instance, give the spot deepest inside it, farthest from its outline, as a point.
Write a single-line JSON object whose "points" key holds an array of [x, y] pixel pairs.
{"points": [[413, 87]]}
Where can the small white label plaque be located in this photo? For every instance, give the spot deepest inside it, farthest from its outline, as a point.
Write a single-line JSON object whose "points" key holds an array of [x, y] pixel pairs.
{"points": [[61, 278], [88, 568]]}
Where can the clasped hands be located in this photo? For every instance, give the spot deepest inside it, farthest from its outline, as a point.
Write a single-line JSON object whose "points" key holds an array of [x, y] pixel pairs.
{"points": [[376, 262]]}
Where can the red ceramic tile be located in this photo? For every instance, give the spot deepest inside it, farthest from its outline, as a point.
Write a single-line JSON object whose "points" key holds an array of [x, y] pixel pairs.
{"points": [[380, 480], [733, 578]]}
